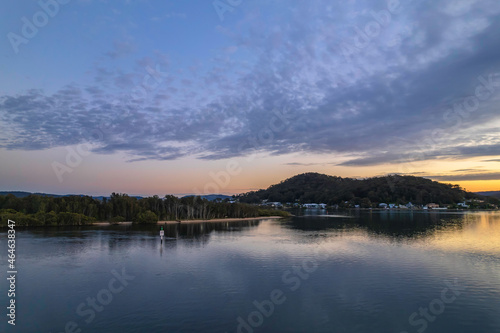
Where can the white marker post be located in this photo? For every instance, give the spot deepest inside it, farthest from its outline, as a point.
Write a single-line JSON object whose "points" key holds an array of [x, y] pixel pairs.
{"points": [[162, 233]]}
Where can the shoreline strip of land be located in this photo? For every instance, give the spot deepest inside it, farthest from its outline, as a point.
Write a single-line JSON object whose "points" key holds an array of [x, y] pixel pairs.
{"points": [[232, 219]]}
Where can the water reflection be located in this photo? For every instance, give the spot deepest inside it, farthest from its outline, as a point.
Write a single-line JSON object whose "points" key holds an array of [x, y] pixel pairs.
{"points": [[121, 238], [374, 270], [393, 224], [471, 232]]}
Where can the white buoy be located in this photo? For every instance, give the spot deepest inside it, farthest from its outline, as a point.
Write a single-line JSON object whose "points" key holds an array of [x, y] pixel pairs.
{"points": [[162, 233]]}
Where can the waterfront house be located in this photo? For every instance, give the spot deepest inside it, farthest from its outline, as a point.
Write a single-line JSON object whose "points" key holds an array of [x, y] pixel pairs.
{"points": [[311, 205]]}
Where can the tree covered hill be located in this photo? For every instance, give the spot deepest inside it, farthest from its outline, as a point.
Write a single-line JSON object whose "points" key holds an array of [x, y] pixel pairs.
{"points": [[320, 188], [22, 194]]}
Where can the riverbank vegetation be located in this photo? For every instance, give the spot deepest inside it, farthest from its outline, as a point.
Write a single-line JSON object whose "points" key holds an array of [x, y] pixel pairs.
{"points": [[36, 210]]}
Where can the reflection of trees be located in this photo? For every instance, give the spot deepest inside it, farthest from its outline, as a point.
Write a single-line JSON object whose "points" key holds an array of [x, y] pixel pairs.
{"points": [[394, 224], [193, 230], [121, 238], [193, 234]]}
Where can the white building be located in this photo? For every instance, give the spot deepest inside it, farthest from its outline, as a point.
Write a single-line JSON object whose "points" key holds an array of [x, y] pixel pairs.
{"points": [[311, 205]]}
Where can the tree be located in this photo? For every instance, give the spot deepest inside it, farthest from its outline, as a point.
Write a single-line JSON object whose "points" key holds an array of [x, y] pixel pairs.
{"points": [[147, 217], [366, 203]]}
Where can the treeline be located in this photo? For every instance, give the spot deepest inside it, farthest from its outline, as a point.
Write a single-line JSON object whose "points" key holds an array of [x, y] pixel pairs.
{"points": [[320, 188], [36, 210]]}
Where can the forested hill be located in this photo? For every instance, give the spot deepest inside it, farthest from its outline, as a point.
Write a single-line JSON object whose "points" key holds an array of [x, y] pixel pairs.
{"points": [[320, 188]]}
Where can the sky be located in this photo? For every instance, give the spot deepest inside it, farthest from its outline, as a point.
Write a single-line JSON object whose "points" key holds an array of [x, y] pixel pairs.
{"points": [[177, 97]]}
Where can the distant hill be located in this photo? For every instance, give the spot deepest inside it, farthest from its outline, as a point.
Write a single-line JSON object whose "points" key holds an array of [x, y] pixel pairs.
{"points": [[320, 188], [22, 194], [212, 197], [495, 194]]}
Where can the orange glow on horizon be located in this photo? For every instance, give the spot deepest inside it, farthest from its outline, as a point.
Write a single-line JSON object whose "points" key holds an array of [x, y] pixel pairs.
{"points": [[104, 174], [479, 185]]}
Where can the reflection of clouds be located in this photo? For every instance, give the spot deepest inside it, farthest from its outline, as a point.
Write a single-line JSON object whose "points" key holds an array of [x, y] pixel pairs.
{"points": [[479, 235], [361, 274]]}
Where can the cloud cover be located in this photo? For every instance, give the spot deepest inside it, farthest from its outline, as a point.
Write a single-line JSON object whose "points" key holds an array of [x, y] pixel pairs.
{"points": [[293, 76]]}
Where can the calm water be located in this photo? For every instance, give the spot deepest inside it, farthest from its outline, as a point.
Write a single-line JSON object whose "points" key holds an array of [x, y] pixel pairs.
{"points": [[343, 272]]}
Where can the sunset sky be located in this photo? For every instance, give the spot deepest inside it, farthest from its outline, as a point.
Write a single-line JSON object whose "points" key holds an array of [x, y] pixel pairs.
{"points": [[154, 97]]}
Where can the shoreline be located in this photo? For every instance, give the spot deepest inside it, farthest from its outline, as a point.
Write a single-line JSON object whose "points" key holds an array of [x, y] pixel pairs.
{"points": [[231, 219]]}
